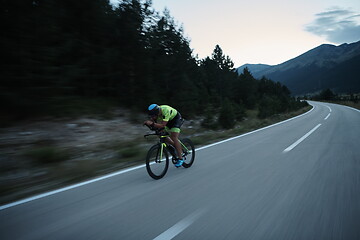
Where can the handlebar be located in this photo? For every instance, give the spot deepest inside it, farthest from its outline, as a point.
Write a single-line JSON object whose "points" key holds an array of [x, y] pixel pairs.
{"points": [[158, 131]]}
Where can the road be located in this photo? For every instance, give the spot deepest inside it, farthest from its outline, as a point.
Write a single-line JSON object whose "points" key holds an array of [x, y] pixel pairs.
{"points": [[296, 180]]}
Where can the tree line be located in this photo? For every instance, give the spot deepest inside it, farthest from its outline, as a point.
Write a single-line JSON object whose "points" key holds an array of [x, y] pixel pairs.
{"points": [[329, 95], [57, 51]]}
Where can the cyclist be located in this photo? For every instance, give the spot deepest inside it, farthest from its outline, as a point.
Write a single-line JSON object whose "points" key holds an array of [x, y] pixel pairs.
{"points": [[164, 116]]}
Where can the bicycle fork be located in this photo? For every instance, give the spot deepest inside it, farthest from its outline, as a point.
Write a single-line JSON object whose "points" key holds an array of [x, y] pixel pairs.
{"points": [[161, 150]]}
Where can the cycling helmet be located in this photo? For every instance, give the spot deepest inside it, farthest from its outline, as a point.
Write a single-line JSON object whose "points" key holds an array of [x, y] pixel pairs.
{"points": [[153, 110]]}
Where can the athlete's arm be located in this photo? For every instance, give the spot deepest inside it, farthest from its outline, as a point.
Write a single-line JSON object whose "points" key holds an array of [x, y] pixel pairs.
{"points": [[156, 125], [160, 125]]}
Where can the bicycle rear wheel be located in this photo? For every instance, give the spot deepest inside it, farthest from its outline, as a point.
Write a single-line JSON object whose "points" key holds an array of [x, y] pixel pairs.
{"points": [[188, 152], [157, 164]]}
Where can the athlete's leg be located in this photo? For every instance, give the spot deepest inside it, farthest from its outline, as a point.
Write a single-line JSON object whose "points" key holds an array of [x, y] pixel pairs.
{"points": [[175, 138]]}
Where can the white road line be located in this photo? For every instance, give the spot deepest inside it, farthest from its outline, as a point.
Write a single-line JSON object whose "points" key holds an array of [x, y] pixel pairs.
{"points": [[329, 113], [2, 207], [258, 130], [292, 146], [351, 108], [68, 188], [180, 226], [327, 116], [329, 108], [343, 106]]}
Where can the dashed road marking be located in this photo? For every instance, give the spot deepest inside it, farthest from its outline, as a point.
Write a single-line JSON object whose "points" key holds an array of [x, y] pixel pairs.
{"points": [[292, 146], [327, 116], [180, 226]]}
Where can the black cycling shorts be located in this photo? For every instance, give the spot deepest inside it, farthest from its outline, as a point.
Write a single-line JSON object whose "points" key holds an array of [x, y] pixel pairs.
{"points": [[176, 122]]}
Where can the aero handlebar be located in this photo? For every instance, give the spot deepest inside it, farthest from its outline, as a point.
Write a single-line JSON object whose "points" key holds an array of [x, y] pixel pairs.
{"points": [[158, 131]]}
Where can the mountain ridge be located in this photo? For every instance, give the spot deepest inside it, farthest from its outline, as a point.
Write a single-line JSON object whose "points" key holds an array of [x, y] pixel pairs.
{"points": [[308, 72]]}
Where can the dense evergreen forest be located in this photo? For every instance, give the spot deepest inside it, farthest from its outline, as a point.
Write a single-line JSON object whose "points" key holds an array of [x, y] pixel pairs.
{"points": [[63, 51]]}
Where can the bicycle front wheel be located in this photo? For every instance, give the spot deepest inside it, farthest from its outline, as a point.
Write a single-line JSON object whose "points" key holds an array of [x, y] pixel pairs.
{"points": [[188, 152], [157, 162]]}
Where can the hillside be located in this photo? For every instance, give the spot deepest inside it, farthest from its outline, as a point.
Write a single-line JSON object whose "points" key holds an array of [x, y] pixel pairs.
{"points": [[254, 68], [326, 66]]}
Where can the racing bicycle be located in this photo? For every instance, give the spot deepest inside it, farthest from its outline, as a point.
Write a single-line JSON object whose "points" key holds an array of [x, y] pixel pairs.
{"points": [[158, 156]]}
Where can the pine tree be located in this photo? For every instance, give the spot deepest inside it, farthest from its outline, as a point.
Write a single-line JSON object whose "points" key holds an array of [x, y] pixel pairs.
{"points": [[227, 115]]}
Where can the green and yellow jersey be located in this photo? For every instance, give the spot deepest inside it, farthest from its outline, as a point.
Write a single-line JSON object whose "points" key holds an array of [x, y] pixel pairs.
{"points": [[167, 113]]}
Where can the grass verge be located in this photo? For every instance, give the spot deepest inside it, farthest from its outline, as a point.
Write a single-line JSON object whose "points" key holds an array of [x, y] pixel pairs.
{"points": [[347, 103], [250, 124]]}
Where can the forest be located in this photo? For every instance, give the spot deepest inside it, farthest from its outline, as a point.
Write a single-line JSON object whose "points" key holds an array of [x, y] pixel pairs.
{"points": [[61, 54]]}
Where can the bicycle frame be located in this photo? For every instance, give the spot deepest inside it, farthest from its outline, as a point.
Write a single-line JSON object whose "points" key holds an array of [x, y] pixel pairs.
{"points": [[162, 141], [163, 145], [186, 149]]}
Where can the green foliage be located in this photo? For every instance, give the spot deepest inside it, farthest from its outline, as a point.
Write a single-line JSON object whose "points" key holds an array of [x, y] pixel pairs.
{"points": [[209, 120], [326, 94], [77, 106], [268, 106], [222, 62], [47, 155], [227, 115], [247, 89], [63, 56], [130, 151], [240, 112]]}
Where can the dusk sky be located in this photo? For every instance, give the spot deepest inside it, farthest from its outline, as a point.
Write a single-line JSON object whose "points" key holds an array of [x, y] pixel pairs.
{"points": [[263, 31]]}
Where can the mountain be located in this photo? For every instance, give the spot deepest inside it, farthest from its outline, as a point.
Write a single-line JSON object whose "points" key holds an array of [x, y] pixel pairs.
{"points": [[326, 66], [255, 68]]}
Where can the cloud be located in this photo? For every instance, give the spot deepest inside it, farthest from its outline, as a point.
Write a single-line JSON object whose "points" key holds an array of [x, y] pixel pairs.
{"points": [[336, 25]]}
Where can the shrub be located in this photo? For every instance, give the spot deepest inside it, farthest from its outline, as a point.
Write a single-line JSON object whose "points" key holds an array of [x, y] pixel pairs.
{"points": [[240, 112], [47, 155], [269, 105], [209, 120], [227, 115], [131, 152]]}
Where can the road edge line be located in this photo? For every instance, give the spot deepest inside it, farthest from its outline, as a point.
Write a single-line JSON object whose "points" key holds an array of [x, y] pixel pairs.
{"points": [[257, 130]]}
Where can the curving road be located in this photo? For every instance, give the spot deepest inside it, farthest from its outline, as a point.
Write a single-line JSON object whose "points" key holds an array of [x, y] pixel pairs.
{"points": [[299, 179]]}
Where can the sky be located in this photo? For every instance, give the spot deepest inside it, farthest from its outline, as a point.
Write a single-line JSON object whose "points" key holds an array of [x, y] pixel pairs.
{"points": [[263, 31]]}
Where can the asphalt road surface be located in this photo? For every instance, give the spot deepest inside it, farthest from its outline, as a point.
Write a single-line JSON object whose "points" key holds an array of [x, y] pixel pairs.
{"points": [[296, 180]]}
